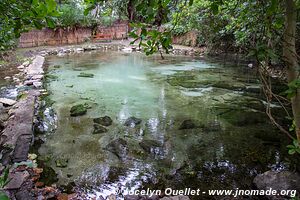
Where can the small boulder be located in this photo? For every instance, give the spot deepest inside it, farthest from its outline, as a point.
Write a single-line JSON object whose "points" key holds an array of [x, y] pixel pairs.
{"points": [[119, 147], [37, 77], [78, 110], [99, 129], [105, 121], [28, 82], [21, 67], [37, 84], [79, 49], [7, 102], [16, 180], [132, 121], [26, 63]]}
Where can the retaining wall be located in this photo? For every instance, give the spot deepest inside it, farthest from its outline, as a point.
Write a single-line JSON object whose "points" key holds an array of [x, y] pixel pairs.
{"points": [[56, 37], [187, 39]]}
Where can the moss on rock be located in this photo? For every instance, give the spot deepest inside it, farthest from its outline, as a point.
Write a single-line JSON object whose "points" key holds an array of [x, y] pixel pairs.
{"points": [[78, 110]]}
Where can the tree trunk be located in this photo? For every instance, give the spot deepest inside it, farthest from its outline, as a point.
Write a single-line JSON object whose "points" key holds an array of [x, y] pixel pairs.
{"points": [[130, 13], [130, 10], [290, 57]]}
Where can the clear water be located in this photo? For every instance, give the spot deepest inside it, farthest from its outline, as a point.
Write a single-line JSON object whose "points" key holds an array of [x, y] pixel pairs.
{"points": [[224, 152]]}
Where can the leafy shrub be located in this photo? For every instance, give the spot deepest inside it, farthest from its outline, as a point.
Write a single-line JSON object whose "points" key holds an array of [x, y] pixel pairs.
{"points": [[72, 15]]}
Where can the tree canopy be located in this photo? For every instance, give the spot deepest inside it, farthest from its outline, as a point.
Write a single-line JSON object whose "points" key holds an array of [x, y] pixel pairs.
{"points": [[19, 16]]}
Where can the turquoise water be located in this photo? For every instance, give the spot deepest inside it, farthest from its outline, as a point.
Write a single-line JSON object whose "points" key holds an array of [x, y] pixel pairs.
{"points": [[231, 142]]}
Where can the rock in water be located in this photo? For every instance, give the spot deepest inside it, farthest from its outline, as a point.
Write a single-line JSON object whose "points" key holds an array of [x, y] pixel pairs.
{"points": [[104, 121], [149, 145], [86, 75], [132, 121], [78, 110], [119, 147], [99, 129], [279, 181], [189, 124]]}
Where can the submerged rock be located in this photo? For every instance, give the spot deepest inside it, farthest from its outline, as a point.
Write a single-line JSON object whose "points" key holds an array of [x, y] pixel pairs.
{"points": [[78, 110], [279, 181], [86, 75], [229, 86], [99, 129], [105, 121], [48, 176], [268, 136], [61, 162], [132, 121], [189, 124], [149, 145], [68, 188], [119, 147], [51, 77], [57, 66], [244, 118]]}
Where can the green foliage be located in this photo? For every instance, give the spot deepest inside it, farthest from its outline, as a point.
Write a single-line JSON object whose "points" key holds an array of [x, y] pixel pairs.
{"points": [[293, 87], [72, 14], [4, 178], [151, 39], [292, 127], [3, 196], [294, 148], [233, 25], [18, 17], [179, 30], [262, 52]]}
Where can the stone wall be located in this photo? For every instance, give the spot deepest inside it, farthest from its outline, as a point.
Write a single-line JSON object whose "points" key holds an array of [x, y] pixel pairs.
{"points": [[115, 32], [51, 37], [187, 39]]}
